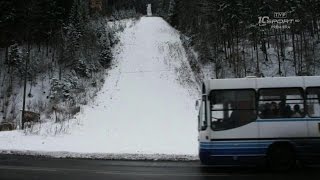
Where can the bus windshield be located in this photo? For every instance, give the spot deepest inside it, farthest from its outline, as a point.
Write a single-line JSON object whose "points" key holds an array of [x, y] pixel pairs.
{"points": [[232, 108]]}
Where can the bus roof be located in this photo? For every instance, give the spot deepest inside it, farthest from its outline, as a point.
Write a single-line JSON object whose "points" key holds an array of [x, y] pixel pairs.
{"points": [[257, 83]]}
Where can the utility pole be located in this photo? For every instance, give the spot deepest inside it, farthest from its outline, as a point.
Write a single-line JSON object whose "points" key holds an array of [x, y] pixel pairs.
{"points": [[27, 37]]}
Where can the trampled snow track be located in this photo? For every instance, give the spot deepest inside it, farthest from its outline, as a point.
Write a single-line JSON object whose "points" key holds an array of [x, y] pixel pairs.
{"points": [[146, 105]]}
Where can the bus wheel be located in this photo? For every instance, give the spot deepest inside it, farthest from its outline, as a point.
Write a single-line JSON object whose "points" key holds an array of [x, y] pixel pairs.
{"points": [[281, 157]]}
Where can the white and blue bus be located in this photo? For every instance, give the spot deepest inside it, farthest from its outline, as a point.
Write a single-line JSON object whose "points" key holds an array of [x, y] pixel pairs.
{"points": [[251, 120]]}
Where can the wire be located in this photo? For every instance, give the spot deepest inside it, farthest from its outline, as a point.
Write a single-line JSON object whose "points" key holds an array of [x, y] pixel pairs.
{"points": [[132, 72]]}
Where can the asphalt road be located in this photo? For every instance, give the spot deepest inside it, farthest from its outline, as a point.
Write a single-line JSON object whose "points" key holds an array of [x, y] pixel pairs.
{"points": [[28, 167]]}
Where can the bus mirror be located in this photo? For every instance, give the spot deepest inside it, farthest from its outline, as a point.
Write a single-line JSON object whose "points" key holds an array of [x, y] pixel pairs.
{"points": [[197, 106]]}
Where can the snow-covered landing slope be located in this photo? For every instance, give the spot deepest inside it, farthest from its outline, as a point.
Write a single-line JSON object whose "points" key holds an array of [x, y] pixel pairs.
{"points": [[145, 107]]}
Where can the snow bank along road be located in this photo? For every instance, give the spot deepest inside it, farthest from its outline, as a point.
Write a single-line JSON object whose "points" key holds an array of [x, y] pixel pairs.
{"points": [[146, 105]]}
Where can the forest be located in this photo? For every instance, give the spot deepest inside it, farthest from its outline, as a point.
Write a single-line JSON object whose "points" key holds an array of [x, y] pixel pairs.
{"points": [[51, 51], [227, 34], [55, 53]]}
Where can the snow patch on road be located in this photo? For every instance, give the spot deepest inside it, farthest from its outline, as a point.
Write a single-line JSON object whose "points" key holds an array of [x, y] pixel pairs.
{"points": [[105, 156]]}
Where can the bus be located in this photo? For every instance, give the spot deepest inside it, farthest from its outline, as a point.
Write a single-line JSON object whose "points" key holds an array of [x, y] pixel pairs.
{"points": [[246, 121]]}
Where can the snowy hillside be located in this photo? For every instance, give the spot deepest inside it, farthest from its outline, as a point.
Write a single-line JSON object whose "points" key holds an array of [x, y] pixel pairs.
{"points": [[146, 105]]}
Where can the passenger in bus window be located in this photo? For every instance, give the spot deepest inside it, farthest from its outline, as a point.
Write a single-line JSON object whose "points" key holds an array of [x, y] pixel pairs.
{"points": [[287, 111], [266, 113], [284, 110], [282, 107], [274, 109], [296, 111]]}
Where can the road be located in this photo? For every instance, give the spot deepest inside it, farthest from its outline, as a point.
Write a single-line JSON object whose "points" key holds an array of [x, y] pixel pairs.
{"points": [[28, 167]]}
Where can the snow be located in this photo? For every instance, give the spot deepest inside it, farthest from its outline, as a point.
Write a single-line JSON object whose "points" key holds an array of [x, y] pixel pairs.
{"points": [[145, 108], [107, 156]]}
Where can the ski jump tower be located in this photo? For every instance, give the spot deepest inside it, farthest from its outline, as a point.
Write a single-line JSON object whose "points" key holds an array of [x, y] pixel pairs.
{"points": [[149, 11]]}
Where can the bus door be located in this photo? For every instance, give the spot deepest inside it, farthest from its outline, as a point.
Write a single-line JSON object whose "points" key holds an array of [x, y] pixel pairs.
{"points": [[313, 108], [312, 147], [202, 121]]}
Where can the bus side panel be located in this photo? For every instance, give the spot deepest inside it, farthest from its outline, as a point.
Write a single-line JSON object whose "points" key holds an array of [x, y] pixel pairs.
{"points": [[225, 149], [236, 152], [248, 131], [304, 135], [283, 128], [293, 131]]}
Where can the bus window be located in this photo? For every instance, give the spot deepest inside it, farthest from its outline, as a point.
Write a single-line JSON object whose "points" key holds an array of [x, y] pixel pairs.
{"points": [[281, 103], [232, 108], [313, 101]]}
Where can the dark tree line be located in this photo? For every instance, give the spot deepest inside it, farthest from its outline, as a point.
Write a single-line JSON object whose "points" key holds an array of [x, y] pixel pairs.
{"points": [[23, 20], [159, 7], [63, 43]]}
